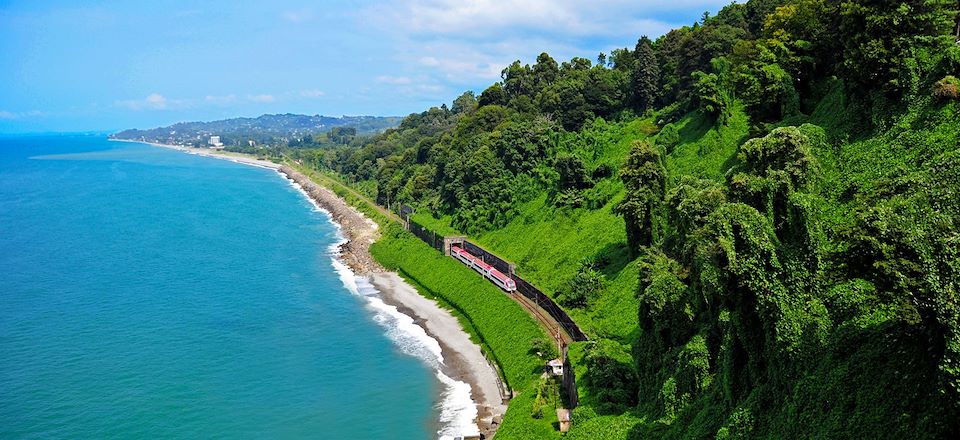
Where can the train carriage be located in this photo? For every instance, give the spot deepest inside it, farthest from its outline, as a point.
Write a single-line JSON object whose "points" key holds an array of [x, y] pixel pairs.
{"points": [[505, 282], [488, 271]]}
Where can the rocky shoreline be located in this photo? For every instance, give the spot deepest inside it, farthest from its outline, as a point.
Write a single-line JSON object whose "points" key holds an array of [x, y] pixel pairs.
{"points": [[359, 230]]}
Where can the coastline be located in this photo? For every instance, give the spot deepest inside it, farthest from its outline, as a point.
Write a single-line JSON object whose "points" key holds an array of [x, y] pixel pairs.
{"points": [[461, 360], [241, 159]]}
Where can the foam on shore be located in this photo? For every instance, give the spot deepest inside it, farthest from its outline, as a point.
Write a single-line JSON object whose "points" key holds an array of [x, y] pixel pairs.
{"points": [[457, 410]]}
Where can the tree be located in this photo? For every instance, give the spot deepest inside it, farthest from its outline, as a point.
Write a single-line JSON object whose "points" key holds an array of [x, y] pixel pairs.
{"points": [[610, 375], [545, 72], [583, 287], [576, 63], [710, 97], [518, 80], [621, 59], [669, 138], [493, 95], [888, 46], [464, 103], [644, 177], [761, 82], [646, 75], [482, 191], [573, 174]]}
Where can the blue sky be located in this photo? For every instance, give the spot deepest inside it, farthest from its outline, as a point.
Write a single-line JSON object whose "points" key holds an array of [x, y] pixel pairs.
{"points": [[104, 65]]}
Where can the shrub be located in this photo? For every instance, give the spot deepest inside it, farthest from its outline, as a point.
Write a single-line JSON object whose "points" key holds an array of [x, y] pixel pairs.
{"points": [[543, 348], [669, 138], [548, 393], [583, 287], [610, 376], [947, 89]]}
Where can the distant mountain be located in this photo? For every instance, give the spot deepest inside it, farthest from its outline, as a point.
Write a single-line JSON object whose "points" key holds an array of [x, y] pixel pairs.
{"points": [[263, 130]]}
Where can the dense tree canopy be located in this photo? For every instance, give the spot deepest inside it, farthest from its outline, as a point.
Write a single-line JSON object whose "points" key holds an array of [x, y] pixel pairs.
{"points": [[783, 181]]}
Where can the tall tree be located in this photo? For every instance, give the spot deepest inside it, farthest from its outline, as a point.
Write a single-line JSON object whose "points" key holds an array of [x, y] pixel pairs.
{"points": [[517, 80], [888, 46], [646, 74], [545, 71], [464, 103], [644, 177], [493, 95]]}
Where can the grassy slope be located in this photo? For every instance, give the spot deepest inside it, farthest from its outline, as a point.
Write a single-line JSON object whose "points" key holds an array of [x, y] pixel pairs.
{"points": [[705, 151], [547, 244], [501, 327], [496, 321]]}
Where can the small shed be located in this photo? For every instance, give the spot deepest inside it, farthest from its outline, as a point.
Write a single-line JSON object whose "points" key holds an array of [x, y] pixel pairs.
{"points": [[555, 367], [563, 416]]}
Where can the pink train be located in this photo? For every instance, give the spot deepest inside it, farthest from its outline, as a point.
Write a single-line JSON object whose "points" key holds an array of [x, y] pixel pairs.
{"points": [[488, 271]]}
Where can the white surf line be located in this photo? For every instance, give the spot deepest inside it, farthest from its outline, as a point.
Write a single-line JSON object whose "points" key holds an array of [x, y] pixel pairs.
{"points": [[457, 409]]}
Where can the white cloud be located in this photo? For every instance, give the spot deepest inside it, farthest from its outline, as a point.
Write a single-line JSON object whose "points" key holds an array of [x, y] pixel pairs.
{"points": [[466, 18], [153, 101], [220, 99], [261, 98], [156, 100], [313, 93], [7, 115], [466, 65], [469, 42]]}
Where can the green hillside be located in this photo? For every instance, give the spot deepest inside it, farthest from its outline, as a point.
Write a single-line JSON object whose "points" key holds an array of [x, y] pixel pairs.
{"points": [[755, 219]]}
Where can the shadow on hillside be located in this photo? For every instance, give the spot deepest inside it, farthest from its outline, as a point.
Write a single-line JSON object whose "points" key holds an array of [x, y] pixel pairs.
{"points": [[695, 129], [612, 259], [732, 160]]}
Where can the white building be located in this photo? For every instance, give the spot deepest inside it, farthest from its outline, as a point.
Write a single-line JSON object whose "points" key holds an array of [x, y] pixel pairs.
{"points": [[215, 141]]}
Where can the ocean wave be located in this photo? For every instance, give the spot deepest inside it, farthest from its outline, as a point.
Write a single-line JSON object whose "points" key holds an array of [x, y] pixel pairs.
{"points": [[457, 410]]}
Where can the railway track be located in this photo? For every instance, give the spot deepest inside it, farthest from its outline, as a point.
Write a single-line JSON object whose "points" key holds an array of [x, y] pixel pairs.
{"points": [[547, 322]]}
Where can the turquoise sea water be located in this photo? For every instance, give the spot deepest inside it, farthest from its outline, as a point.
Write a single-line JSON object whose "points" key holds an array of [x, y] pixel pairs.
{"points": [[146, 293]]}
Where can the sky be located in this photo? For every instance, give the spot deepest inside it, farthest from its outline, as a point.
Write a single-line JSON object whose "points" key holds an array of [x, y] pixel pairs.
{"points": [[108, 65]]}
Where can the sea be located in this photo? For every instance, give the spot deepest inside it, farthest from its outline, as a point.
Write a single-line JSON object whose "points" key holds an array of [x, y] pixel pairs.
{"points": [[149, 293]]}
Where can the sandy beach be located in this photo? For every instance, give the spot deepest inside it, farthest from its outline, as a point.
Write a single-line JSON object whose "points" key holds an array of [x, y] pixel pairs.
{"points": [[463, 359], [223, 155]]}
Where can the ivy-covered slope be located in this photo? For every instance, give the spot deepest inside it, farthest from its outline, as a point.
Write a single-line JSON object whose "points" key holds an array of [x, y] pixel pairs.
{"points": [[755, 218]]}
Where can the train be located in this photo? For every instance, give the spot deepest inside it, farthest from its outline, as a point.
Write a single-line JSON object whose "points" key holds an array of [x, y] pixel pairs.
{"points": [[502, 281]]}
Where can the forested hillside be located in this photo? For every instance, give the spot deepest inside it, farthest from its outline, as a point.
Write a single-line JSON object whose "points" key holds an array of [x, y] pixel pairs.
{"points": [[756, 218], [266, 130]]}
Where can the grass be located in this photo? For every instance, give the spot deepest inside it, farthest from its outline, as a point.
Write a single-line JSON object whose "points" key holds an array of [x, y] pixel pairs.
{"points": [[519, 424], [494, 320], [707, 151], [548, 245]]}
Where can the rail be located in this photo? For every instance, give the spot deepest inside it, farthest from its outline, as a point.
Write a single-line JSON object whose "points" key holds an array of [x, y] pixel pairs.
{"points": [[537, 300]]}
